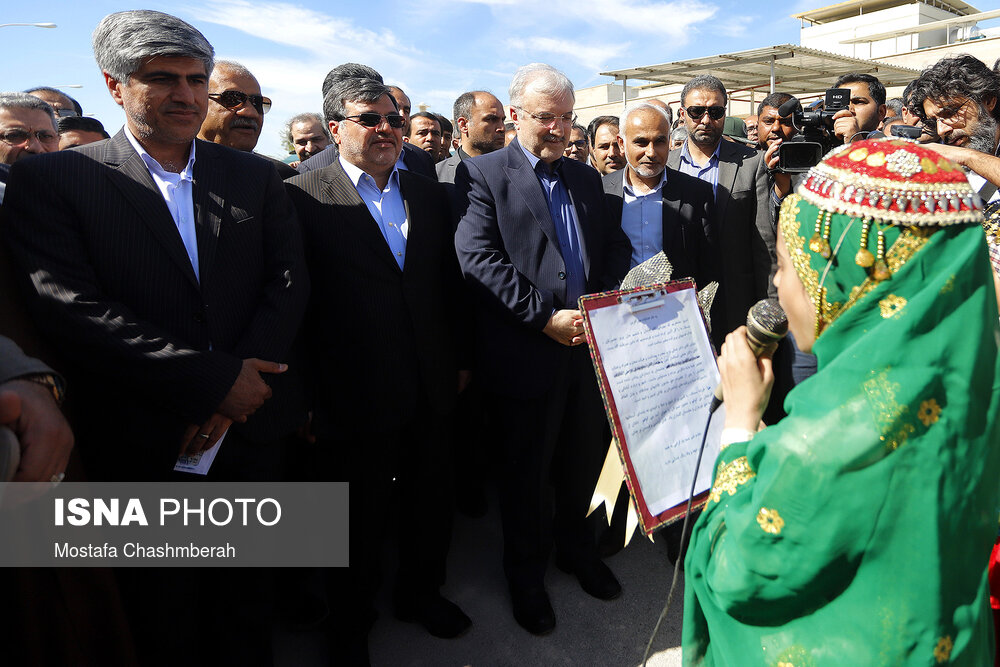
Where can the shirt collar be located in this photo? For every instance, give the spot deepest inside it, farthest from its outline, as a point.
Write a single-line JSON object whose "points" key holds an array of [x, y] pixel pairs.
{"points": [[686, 154], [631, 190], [154, 166], [355, 173]]}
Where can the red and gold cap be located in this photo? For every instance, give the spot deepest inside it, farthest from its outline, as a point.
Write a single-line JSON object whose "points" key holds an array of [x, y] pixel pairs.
{"points": [[892, 181]]}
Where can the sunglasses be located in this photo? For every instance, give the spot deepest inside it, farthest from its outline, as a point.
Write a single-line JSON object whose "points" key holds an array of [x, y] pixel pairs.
{"points": [[372, 119], [696, 112], [234, 99], [579, 143]]}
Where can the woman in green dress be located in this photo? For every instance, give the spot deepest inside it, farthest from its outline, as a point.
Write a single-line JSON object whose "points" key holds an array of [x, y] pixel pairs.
{"points": [[856, 531]]}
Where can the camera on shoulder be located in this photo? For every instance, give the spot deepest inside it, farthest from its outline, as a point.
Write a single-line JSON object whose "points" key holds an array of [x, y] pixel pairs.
{"points": [[815, 135]]}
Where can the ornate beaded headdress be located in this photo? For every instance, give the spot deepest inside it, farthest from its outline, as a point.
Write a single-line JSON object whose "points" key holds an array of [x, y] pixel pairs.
{"points": [[896, 188], [887, 182]]}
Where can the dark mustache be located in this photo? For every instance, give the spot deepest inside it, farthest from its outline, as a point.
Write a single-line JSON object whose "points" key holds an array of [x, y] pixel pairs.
{"points": [[240, 121]]}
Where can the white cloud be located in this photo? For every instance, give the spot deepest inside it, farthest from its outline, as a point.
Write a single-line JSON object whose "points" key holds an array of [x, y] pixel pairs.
{"points": [[592, 56]]}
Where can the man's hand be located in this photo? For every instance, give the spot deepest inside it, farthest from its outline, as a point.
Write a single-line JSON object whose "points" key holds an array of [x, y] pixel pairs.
{"points": [[46, 439], [249, 391], [957, 154], [782, 182], [566, 327], [198, 439], [845, 126]]}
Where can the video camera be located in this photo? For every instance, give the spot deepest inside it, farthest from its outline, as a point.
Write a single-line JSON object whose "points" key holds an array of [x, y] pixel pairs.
{"points": [[815, 130]]}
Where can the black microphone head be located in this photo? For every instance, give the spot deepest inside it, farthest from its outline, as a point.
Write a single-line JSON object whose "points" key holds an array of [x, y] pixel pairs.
{"points": [[767, 322], [787, 108]]}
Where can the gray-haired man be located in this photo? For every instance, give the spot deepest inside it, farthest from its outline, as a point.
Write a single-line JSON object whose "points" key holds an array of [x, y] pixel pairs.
{"points": [[27, 127], [174, 283]]}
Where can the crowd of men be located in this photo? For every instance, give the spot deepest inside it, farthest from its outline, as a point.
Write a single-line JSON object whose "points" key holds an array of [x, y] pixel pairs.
{"points": [[398, 299]]}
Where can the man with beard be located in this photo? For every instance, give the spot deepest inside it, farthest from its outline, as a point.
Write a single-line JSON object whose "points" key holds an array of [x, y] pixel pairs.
{"points": [[479, 117], [236, 111], [956, 98], [866, 110], [605, 153], [741, 232], [308, 135]]}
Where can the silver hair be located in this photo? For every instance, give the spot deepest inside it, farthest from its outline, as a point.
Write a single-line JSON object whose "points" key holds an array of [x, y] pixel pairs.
{"points": [[679, 134], [546, 79], [634, 107], [236, 68], [124, 41], [304, 118], [14, 100]]}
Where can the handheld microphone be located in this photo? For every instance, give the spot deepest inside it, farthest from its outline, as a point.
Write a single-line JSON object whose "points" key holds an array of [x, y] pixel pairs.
{"points": [[766, 325]]}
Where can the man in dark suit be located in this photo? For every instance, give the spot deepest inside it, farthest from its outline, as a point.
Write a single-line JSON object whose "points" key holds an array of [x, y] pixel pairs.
{"points": [[742, 232], [534, 236], [659, 208], [410, 159], [169, 272], [383, 322], [479, 119]]}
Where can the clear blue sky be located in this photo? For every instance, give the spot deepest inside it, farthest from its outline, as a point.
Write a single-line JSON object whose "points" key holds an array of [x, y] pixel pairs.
{"points": [[433, 49]]}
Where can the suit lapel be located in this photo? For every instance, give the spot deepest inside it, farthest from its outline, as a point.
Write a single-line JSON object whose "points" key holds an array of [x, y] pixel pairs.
{"points": [[209, 203], [129, 174], [351, 210], [524, 180], [727, 179]]}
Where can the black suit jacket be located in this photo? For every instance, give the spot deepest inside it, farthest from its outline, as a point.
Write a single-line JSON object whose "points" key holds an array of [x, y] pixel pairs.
{"points": [[742, 234], [509, 253], [151, 348], [688, 208], [416, 160], [380, 337]]}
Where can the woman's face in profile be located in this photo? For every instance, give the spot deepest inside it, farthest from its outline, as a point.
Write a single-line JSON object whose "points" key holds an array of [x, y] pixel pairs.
{"points": [[794, 300]]}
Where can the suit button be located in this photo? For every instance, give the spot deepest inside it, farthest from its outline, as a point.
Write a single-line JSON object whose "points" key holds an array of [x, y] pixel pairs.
{"points": [[562, 275], [199, 318]]}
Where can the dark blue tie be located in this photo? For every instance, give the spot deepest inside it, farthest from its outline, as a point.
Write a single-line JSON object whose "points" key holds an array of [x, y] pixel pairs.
{"points": [[561, 210]]}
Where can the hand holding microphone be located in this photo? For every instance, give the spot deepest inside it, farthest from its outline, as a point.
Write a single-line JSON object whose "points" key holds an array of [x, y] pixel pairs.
{"points": [[745, 364]]}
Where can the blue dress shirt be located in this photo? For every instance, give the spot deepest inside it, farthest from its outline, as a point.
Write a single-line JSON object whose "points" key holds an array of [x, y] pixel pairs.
{"points": [[642, 219], [709, 172], [567, 226], [385, 205]]}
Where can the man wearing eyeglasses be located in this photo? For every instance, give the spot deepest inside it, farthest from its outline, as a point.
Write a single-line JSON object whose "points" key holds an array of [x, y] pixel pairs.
{"points": [[27, 127], [741, 234], [63, 105], [579, 147], [384, 315], [533, 236], [236, 111], [958, 100]]}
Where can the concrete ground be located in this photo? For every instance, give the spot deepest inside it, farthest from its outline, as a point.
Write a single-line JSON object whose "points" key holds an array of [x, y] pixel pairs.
{"points": [[589, 632]]}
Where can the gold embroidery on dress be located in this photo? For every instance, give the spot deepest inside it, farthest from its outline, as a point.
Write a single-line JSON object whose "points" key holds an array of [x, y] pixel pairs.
{"points": [[800, 258], [730, 476], [770, 521], [949, 284], [910, 241], [942, 652], [889, 415], [891, 305], [929, 412]]}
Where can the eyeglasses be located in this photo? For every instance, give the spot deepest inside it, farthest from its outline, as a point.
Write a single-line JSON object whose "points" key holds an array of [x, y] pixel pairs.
{"points": [[696, 112], [234, 99], [547, 118], [579, 143], [948, 115], [372, 119], [18, 137], [66, 113]]}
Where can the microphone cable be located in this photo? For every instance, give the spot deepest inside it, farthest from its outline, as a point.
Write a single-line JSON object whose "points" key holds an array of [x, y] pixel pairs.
{"points": [[684, 526]]}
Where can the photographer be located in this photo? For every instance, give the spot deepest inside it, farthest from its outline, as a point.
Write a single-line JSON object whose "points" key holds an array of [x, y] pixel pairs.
{"points": [[867, 108], [772, 130]]}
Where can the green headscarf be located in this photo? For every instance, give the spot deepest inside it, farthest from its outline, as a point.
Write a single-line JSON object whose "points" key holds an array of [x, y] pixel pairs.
{"points": [[857, 530]]}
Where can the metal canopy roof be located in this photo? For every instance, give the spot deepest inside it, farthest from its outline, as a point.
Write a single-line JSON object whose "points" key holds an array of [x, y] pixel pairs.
{"points": [[795, 68], [855, 7]]}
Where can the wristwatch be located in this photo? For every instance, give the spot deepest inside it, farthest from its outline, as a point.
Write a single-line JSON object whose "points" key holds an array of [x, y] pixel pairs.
{"points": [[52, 382]]}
